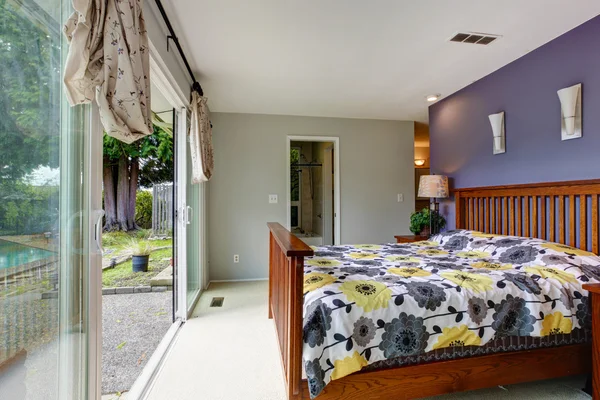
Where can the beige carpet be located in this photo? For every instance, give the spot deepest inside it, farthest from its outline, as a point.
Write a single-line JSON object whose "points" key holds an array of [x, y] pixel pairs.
{"points": [[230, 353]]}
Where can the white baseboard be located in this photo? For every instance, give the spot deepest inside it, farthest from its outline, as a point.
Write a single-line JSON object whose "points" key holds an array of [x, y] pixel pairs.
{"points": [[236, 280]]}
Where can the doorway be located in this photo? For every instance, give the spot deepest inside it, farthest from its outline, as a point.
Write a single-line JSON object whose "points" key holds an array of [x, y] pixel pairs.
{"points": [[313, 189]]}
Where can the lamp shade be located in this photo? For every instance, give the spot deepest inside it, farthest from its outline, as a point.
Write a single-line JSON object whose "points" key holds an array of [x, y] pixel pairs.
{"points": [[433, 186]]}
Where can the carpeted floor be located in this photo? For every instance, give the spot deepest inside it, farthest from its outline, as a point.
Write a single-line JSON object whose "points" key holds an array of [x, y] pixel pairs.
{"points": [[230, 353]]}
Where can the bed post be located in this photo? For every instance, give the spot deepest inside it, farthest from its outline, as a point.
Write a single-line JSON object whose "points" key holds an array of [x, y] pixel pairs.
{"points": [[594, 289], [286, 300]]}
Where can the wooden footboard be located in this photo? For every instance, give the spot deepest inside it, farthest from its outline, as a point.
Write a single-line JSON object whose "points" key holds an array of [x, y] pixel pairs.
{"points": [[286, 272]]}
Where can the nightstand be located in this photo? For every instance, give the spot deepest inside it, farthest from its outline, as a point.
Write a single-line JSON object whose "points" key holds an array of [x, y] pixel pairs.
{"points": [[409, 238]]}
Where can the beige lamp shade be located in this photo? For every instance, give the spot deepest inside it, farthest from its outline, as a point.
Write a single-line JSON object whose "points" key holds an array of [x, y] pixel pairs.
{"points": [[433, 186]]}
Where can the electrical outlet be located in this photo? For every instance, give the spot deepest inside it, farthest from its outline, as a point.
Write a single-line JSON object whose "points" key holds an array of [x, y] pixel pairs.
{"points": [[400, 197], [236, 258], [273, 199]]}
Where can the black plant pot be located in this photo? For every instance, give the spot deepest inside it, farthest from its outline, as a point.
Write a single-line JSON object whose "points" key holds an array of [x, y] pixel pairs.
{"points": [[140, 263]]}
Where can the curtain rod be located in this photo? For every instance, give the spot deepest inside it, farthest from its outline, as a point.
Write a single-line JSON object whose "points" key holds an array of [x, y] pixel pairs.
{"points": [[195, 86]]}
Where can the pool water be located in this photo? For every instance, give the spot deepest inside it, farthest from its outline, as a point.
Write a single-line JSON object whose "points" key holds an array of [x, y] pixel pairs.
{"points": [[14, 254]]}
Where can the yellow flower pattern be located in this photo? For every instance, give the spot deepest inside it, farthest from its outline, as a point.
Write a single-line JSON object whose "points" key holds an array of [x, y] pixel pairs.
{"points": [[475, 282], [483, 235], [368, 246], [323, 262], [362, 256], [370, 295], [402, 259], [432, 252], [552, 273], [555, 324], [348, 365], [457, 336], [426, 243], [473, 254], [408, 272], [491, 265], [563, 248], [315, 280]]}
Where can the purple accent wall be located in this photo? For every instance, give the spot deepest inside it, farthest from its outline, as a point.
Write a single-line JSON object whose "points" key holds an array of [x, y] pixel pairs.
{"points": [[461, 135]]}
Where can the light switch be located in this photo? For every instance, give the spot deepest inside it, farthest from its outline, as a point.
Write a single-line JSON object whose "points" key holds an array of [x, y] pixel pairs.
{"points": [[272, 198], [400, 197]]}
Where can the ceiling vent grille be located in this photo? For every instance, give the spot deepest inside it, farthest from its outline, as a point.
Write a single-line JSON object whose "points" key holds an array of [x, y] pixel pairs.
{"points": [[474, 38]]}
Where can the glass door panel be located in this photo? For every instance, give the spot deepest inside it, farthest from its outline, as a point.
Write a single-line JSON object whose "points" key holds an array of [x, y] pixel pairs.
{"points": [[45, 217], [193, 235]]}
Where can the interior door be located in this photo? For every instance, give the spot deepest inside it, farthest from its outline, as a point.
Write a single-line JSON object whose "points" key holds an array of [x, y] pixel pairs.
{"points": [[49, 255], [328, 172]]}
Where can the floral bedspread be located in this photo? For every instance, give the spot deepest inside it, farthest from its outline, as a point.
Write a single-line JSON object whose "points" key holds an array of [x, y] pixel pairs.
{"points": [[366, 303]]}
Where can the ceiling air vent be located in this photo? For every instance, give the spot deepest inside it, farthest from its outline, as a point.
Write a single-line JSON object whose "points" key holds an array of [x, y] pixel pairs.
{"points": [[474, 38]]}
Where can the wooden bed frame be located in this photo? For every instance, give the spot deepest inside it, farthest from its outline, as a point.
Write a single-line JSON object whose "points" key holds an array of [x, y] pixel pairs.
{"points": [[554, 211]]}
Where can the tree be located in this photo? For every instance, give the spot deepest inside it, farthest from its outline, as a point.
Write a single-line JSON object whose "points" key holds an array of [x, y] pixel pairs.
{"points": [[127, 166], [30, 88]]}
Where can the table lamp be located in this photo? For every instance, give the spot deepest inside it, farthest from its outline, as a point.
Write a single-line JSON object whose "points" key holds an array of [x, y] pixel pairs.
{"points": [[434, 187]]}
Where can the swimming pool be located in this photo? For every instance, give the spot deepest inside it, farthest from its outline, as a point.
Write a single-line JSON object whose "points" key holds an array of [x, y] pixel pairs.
{"points": [[15, 254]]}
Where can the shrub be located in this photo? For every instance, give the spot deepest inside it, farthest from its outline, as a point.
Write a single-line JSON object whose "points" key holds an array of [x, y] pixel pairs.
{"points": [[140, 247], [143, 209]]}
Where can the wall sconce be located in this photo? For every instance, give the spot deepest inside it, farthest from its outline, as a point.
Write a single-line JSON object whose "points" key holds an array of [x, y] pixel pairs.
{"points": [[570, 112], [497, 121], [419, 162]]}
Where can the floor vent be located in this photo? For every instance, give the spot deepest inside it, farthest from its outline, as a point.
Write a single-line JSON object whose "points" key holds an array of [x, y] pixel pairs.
{"points": [[217, 302], [474, 38]]}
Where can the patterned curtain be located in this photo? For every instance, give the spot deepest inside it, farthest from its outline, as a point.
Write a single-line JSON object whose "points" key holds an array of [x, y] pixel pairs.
{"points": [[201, 140], [109, 57]]}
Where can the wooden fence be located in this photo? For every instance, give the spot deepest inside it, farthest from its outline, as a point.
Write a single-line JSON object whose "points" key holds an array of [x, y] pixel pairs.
{"points": [[162, 209]]}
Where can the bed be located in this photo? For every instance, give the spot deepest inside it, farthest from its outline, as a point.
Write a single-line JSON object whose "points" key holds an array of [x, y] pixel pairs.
{"points": [[498, 301]]}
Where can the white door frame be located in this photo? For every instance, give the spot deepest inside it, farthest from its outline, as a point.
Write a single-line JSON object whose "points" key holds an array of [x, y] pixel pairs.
{"points": [[337, 215], [327, 212], [166, 83]]}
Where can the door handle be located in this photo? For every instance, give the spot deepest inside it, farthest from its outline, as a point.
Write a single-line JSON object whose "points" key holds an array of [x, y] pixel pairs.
{"points": [[98, 230], [189, 215]]}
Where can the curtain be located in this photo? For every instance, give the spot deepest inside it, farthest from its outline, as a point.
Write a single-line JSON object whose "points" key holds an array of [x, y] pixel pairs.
{"points": [[109, 58], [201, 140]]}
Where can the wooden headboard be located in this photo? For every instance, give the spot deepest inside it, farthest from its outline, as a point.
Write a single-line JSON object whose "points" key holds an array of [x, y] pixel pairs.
{"points": [[562, 212]]}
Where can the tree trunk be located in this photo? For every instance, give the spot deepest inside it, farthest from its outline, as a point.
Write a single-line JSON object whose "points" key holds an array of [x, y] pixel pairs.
{"points": [[109, 196], [122, 194], [133, 186]]}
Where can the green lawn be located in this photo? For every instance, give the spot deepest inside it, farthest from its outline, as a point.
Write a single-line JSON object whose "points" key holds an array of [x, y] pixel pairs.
{"points": [[122, 275], [117, 244]]}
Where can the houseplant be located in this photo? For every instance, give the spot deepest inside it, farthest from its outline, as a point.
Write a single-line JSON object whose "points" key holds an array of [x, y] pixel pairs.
{"points": [[140, 251], [420, 222]]}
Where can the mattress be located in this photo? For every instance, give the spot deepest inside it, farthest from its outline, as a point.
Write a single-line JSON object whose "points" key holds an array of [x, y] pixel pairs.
{"points": [[460, 294]]}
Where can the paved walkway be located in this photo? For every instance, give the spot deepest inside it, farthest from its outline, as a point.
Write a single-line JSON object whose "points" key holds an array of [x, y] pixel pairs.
{"points": [[132, 327]]}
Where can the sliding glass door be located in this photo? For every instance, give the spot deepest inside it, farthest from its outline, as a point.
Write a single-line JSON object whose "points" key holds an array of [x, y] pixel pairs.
{"points": [[190, 217], [47, 251]]}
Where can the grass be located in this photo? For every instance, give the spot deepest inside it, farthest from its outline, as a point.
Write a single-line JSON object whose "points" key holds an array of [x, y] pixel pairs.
{"points": [[123, 275], [118, 244]]}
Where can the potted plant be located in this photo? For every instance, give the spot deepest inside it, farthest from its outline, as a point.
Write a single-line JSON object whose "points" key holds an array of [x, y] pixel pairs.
{"points": [[420, 222], [140, 251]]}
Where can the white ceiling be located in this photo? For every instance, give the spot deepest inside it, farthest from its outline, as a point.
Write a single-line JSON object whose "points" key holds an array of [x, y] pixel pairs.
{"points": [[356, 58]]}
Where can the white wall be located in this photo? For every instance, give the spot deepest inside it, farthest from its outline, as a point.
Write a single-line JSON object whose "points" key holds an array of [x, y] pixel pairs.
{"points": [[376, 163]]}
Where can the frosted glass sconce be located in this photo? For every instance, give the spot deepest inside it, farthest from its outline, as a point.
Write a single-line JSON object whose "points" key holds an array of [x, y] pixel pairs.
{"points": [[497, 121], [570, 112]]}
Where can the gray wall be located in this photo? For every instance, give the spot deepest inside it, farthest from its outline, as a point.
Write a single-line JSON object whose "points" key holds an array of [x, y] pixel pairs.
{"points": [[376, 163]]}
